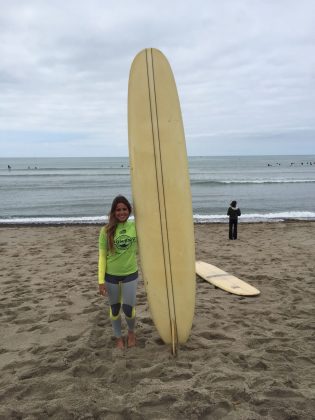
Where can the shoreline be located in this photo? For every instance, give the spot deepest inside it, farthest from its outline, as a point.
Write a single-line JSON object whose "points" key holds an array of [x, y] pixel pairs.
{"points": [[87, 224], [245, 357]]}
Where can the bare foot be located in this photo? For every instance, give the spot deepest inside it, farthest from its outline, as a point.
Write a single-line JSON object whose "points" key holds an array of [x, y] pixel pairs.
{"points": [[131, 339], [120, 343]]}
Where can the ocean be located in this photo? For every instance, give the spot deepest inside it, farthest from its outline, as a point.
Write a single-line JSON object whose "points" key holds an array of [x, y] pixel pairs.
{"points": [[80, 190]]}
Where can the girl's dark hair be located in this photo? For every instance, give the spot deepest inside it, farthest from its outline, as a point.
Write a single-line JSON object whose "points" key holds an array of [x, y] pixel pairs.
{"points": [[113, 222], [233, 203]]}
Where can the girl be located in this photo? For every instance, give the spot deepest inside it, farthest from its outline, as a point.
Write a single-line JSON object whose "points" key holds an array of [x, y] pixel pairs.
{"points": [[117, 268]]}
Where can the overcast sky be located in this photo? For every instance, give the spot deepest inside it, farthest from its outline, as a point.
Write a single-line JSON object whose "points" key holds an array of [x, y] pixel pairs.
{"points": [[245, 73]]}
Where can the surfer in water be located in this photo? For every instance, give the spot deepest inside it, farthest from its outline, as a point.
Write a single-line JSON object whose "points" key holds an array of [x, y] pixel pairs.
{"points": [[118, 269], [233, 212]]}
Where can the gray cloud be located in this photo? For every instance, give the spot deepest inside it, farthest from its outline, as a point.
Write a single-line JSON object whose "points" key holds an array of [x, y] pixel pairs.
{"points": [[244, 69]]}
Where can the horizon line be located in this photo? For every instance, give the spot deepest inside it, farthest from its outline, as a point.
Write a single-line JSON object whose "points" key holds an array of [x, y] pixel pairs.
{"points": [[126, 156]]}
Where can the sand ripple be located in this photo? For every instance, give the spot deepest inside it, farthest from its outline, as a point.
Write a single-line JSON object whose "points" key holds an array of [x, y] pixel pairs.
{"points": [[247, 358]]}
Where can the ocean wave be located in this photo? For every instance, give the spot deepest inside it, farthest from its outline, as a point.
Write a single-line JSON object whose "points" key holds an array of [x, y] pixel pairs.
{"points": [[198, 218], [84, 220], [257, 217], [25, 175], [252, 181], [65, 168]]}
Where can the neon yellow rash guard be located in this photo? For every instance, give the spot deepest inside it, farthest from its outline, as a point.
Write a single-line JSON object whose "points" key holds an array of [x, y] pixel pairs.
{"points": [[123, 260]]}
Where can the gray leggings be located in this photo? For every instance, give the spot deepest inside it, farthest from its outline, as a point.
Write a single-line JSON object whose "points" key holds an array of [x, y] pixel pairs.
{"points": [[122, 295]]}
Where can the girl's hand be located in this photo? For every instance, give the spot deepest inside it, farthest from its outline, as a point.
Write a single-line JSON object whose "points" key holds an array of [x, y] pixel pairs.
{"points": [[102, 289]]}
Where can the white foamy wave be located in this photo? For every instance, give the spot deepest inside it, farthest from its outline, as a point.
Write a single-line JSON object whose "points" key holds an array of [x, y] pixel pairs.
{"points": [[270, 181], [198, 218], [257, 217], [53, 220]]}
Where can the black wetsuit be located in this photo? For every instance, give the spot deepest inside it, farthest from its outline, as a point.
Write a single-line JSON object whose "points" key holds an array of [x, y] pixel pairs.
{"points": [[233, 213]]}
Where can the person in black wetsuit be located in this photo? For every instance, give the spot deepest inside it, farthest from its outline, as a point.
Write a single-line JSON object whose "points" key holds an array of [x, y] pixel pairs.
{"points": [[233, 213]]}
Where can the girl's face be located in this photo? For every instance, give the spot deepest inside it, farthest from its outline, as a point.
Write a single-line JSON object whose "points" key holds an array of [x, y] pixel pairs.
{"points": [[121, 212]]}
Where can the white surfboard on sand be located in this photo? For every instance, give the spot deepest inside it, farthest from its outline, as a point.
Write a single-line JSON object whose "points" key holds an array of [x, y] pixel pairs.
{"points": [[161, 195], [224, 281]]}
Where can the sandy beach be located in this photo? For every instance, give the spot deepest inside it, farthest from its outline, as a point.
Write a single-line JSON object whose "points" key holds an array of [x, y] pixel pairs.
{"points": [[247, 358]]}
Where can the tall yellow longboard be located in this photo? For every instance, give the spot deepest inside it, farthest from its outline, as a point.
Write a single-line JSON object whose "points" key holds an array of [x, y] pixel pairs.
{"points": [[161, 195]]}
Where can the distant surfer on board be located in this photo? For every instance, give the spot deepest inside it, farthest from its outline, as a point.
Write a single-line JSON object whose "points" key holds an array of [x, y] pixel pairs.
{"points": [[117, 268], [233, 212]]}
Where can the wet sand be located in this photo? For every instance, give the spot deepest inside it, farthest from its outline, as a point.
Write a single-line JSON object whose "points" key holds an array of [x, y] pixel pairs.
{"points": [[247, 358]]}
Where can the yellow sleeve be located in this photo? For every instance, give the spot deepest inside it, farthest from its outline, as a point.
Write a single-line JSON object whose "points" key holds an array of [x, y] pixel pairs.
{"points": [[101, 266], [102, 257]]}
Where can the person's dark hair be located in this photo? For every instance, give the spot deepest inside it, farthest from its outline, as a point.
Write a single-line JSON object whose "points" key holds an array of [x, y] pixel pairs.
{"points": [[113, 222], [233, 203]]}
